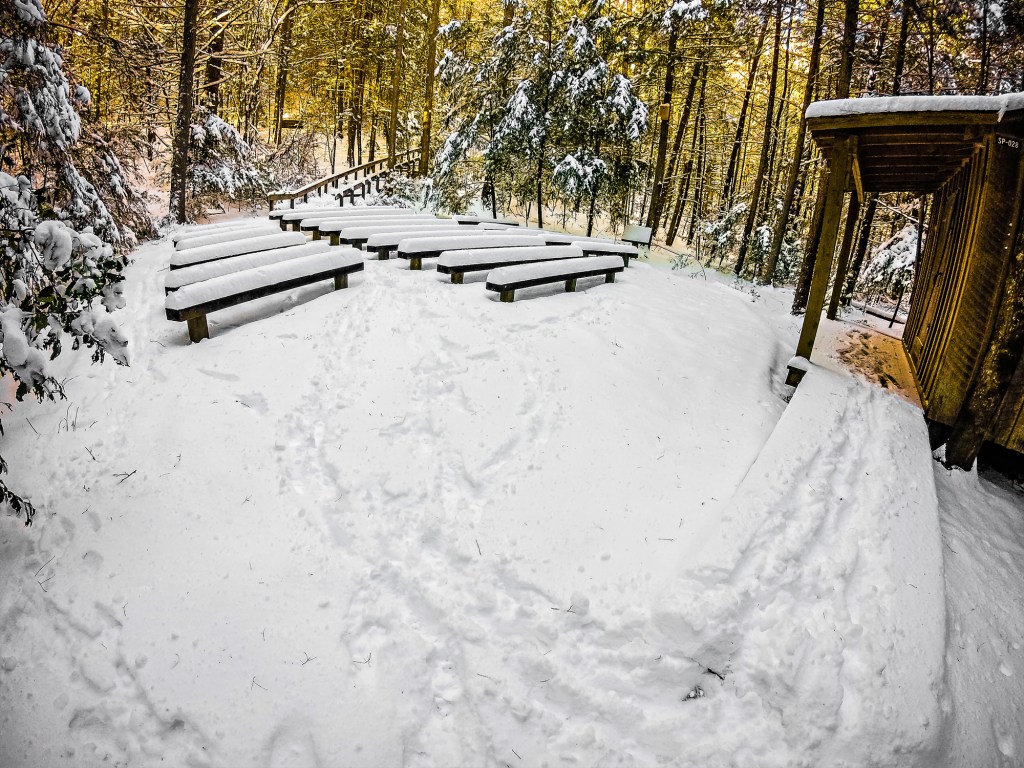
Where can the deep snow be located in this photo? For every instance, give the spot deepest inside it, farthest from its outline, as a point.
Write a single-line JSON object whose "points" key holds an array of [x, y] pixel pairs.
{"points": [[406, 524]]}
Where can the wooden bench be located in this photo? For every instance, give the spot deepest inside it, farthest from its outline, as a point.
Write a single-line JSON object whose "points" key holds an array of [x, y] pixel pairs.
{"points": [[235, 248], [384, 242], [507, 280], [593, 246], [297, 220], [339, 230], [415, 249], [178, 278], [192, 303], [458, 262]]}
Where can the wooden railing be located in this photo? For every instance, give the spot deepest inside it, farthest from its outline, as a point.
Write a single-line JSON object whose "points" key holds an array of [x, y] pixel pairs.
{"points": [[405, 161]]}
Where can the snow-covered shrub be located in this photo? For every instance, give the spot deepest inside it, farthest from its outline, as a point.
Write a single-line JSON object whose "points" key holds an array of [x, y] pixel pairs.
{"points": [[721, 233], [398, 189], [223, 167], [59, 269], [890, 268], [760, 245]]}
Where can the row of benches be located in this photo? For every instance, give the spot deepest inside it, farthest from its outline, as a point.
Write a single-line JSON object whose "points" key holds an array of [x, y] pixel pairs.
{"points": [[226, 265]]}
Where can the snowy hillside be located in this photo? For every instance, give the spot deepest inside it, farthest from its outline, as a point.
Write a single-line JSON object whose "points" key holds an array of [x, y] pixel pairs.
{"points": [[407, 524]]}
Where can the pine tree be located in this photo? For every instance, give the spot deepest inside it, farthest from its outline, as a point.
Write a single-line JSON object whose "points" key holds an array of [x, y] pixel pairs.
{"points": [[59, 272]]}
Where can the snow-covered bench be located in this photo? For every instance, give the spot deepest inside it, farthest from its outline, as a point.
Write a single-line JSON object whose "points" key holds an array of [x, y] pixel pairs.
{"points": [[338, 229], [415, 249], [384, 242], [235, 248], [225, 236], [209, 229], [458, 263], [507, 280], [471, 220], [342, 231], [298, 218], [178, 278], [359, 233], [593, 246], [192, 303]]}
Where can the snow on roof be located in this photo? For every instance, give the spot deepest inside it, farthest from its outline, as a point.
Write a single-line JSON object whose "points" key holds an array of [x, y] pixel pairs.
{"points": [[250, 279], [888, 104], [227, 235], [469, 256], [210, 269], [236, 248], [455, 242], [550, 268], [337, 225]]}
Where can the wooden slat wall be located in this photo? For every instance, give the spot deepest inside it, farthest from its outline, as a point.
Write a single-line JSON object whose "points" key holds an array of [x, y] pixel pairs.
{"points": [[958, 285]]}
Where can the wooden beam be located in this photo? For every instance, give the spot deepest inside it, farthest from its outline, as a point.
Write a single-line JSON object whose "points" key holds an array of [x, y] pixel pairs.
{"points": [[832, 202], [858, 182]]}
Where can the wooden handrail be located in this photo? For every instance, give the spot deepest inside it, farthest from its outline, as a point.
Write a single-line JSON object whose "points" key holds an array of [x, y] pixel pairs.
{"points": [[320, 185]]}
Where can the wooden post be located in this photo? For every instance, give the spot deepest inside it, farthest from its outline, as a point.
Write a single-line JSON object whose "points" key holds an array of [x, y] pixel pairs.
{"points": [[415, 262], [335, 238], [340, 281], [570, 285], [198, 329], [507, 296], [832, 203], [610, 277], [852, 213], [457, 278], [316, 234]]}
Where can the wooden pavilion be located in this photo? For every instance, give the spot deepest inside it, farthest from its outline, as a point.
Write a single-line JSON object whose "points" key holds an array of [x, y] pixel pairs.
{"points": [[964, 335]]}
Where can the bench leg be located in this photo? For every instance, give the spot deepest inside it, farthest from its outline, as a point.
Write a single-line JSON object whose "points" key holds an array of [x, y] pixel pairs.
{"points": [[340, 281], [283, 225], [457, 278], [610, 277], [198, 329], [336, 239], [415, 262], [295, 225], [570, 285], [316, 234], [383, 254], [507, 296]]}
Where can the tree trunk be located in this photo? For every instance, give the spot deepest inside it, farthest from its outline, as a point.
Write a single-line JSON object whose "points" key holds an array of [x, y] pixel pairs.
{"points": [[396, 82], [545, 77], [281, 87], [983, 64], [863, 240], [183, 117], [684, 122], [428, 113], [684, 183], [665, 114], [768, 275], [733, 171], [215, 63], [901, 49], [846, 51], [762, 165]]}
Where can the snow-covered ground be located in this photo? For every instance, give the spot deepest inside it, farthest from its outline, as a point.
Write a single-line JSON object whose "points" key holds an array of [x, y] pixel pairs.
{"points": [[407, 524]]}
